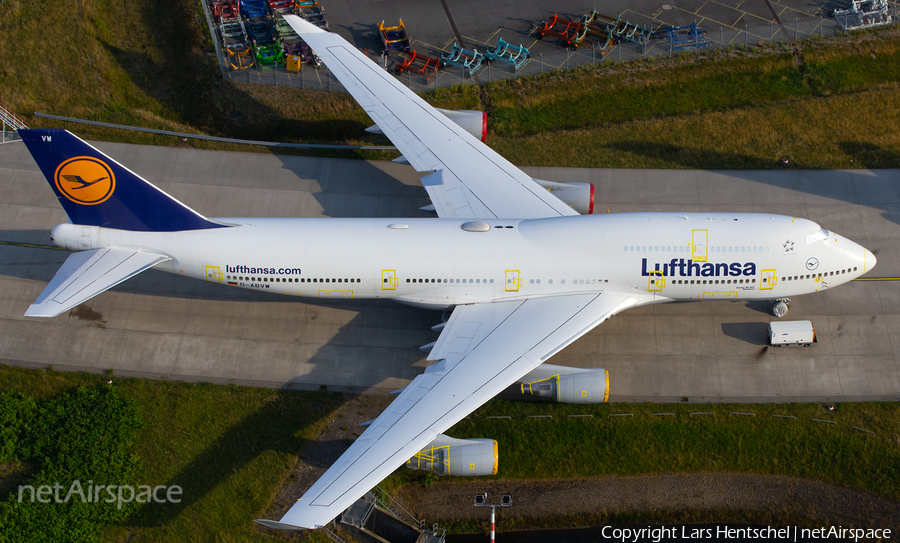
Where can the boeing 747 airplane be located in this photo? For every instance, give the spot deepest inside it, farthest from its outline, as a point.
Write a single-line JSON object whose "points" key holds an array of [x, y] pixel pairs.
{"points": [[523, 272]]}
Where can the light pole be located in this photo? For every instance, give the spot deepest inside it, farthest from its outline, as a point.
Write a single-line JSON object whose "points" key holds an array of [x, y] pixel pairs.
{"points": [[481, 501]]}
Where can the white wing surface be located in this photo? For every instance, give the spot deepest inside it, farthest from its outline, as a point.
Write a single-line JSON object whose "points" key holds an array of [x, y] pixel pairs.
{"points": [[484, 348], [88, 273], [471, 180]]}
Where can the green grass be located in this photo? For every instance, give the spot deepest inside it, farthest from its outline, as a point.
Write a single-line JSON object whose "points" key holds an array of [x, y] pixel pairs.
{"points": [[564, 447], [717, 81], [228, 447], [73, 441]]}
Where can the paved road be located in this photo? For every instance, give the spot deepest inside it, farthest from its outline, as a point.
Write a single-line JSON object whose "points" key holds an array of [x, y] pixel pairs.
{"points": [[159, 325]]}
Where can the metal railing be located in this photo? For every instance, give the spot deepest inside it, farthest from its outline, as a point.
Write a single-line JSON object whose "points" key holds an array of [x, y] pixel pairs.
{"points": [[10, 123], [721, 37], [388, 503]]}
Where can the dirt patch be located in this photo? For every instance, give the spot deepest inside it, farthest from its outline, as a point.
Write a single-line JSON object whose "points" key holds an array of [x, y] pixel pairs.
{"points": [[318, 456], [609, 496], [86, 313]]}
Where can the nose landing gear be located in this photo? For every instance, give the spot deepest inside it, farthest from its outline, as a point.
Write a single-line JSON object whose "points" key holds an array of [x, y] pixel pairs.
{"points": [[780, 307]]}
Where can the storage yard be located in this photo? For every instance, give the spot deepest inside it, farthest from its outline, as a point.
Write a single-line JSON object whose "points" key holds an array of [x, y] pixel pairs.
{"points": [[255, 44]]}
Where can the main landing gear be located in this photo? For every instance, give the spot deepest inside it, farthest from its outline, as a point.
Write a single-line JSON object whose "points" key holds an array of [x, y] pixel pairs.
{"points": [[780, 307]]}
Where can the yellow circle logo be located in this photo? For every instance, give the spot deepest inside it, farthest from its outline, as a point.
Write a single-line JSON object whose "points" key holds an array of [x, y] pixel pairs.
{"points": [[85, 180]]}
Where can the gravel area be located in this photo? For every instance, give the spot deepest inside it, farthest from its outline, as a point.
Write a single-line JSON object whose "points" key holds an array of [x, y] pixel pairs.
{"points": [[656, 494]]}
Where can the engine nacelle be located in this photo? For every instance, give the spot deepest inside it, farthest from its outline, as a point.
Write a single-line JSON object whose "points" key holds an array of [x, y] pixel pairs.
{"points": [[566, 385], [448, 456], [473, 122], [578, 196]]}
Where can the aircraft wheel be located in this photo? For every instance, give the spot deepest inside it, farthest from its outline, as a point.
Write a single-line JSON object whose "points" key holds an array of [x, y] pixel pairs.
{"points": [[780, 308]]}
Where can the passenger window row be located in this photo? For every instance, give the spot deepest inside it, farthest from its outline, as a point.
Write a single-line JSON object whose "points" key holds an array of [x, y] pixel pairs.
{"points": [[291, 279], [447, 281], [815, 276]]}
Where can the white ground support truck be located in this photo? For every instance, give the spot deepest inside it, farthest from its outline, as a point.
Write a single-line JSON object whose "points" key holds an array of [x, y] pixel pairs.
{"points": [[791, 334]]}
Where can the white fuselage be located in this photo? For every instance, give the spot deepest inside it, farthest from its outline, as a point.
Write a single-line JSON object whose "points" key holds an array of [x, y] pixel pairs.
{"points": [[435, 263]]}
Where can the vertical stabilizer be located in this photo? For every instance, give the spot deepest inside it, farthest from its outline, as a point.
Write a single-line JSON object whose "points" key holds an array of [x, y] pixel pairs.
{"points": [[95, 190]]}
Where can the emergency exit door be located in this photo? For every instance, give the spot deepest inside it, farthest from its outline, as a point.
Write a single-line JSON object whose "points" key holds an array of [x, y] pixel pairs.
{"points": [[767, 280], [389, 280], [214, 274], [513, 280], [656, 282], [699, 245]]}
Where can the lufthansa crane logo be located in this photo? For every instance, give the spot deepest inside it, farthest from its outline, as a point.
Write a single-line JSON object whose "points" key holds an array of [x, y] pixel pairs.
{"points": [[85, 180]]}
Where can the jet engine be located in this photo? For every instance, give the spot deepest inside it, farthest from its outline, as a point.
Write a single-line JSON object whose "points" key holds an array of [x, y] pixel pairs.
{"points": [[579, 196], [566, 385], [448, 456], [473, 122]]}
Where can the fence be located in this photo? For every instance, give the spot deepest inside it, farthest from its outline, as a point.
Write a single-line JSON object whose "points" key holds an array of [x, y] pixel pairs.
{"points": [[721, 37]]}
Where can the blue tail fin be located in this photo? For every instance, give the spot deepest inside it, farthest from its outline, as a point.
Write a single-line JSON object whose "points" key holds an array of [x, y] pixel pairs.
{"points": [[95, 190]]}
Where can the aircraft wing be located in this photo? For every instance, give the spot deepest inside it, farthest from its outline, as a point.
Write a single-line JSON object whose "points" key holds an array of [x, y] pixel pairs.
{"points": [[484, 348], [470, 180], [88, 273]]}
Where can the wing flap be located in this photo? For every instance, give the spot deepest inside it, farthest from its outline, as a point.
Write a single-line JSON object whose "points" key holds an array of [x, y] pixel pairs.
{"points": [[88, 273], [507, 340]]}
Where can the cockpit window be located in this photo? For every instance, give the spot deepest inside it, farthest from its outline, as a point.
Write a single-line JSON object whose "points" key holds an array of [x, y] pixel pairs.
{"points": [[821, 235]]}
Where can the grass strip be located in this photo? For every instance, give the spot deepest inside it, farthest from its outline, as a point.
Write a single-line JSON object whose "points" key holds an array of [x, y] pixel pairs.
{"points": [[227, 447], [564, 447]]}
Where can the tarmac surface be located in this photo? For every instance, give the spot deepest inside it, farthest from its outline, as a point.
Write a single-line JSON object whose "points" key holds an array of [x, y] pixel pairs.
{"points": [[163, 326]]}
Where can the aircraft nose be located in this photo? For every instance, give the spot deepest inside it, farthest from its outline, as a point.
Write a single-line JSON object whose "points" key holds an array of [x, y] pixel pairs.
{"points": [[870, 260]]}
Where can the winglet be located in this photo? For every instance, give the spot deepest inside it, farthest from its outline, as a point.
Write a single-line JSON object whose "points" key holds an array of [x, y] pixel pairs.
{"points": [[275, 525]]}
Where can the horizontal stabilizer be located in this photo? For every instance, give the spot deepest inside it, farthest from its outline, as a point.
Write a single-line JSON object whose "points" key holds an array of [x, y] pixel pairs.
{"points": [[88, 273], [275, 525]]}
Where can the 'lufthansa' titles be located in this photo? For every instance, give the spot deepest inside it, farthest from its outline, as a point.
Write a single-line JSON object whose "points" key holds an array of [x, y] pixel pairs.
{"points": [[679, 267]]}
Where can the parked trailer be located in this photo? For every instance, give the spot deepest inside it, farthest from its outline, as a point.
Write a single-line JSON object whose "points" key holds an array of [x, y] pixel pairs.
{"points": [[312, 12], [419, 64], [562, 29], [688, 37], [597, 30], [516, 55], [467, 59], [792, 334], [394, 37]]}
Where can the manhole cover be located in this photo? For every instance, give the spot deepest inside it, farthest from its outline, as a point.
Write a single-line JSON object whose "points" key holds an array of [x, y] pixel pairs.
{"points": [[667, 7]]}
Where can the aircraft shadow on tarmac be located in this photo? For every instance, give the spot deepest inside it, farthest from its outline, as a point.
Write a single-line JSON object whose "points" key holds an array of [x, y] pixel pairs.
{"points": [[754, 333], [872, 188]]}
